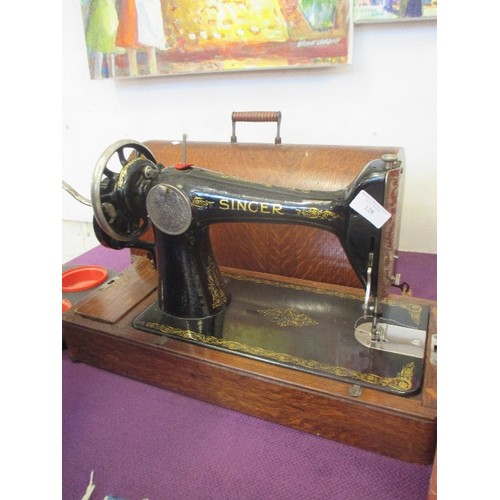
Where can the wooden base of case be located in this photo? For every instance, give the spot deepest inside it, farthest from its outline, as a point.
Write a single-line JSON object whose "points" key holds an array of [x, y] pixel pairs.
{"points": [[98, 331]]}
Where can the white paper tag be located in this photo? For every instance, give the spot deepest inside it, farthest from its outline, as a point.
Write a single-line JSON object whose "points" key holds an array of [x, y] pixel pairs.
{"points": [[370, 209]]}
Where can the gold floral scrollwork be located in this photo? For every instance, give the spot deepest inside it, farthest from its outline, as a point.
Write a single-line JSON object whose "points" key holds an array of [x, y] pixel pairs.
{"points": [[401, 382], [316, 213], [286, 316], [279, 284], [199, 202], [214, 286], [414, 310]]}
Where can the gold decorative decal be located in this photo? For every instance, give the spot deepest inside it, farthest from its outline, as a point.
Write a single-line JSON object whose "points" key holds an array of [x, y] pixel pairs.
{"points": [[286, 316], [414, 310], [199, 202], [316, 213], [401, 382], [279, 284], [214, 286], [250, 206]]}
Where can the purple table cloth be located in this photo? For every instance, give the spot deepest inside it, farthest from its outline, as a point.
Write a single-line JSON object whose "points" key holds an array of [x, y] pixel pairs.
{"points": [[142, 442]]}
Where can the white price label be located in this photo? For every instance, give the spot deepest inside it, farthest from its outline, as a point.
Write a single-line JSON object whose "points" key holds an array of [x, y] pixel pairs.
{"points": [[370, 209]]}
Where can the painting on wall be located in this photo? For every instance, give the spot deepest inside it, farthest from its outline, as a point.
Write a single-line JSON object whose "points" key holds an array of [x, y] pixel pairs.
{"points": [[394, 10], [134, 38]]}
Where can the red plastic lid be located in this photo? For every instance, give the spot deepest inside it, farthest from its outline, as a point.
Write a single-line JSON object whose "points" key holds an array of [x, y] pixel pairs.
{"points": [[66, 304], [83, 278]]}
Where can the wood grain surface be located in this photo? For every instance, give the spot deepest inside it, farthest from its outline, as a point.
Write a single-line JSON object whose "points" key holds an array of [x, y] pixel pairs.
{"points": [[400, 427]]}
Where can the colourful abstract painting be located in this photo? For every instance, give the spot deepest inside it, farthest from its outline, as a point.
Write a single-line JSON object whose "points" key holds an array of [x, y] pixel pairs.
{"points": [[133, 38], [394, 10]]}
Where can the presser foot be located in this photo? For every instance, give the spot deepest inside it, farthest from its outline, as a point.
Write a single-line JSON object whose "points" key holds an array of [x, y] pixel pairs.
{"points": [[393, 338]]}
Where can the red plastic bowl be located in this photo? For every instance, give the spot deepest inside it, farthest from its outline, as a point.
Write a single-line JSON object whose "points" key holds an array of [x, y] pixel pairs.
{"points": [[66, 304], [83, 278]]}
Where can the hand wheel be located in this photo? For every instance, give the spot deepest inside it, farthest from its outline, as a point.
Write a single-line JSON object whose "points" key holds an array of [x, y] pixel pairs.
{"points": [[121, 168]]}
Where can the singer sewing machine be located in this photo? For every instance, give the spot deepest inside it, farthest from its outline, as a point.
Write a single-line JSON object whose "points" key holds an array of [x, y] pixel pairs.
{"points": [[226, 301]]}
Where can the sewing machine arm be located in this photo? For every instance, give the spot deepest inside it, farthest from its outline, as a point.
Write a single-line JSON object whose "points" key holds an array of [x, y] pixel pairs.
{"points": [[182, 202]]}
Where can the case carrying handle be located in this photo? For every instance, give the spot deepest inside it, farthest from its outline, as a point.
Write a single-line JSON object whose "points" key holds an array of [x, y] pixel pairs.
{"points": [[257, 116]]}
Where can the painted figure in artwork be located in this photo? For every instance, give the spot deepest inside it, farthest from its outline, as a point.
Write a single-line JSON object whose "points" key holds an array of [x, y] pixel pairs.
{"points": [[126, 36], [100, 34], [405, 8], [141, 28], [320, 14], [410, 8]]}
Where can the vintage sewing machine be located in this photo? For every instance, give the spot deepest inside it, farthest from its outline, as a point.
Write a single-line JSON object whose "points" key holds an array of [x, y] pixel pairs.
{"points": [[222, 303]]}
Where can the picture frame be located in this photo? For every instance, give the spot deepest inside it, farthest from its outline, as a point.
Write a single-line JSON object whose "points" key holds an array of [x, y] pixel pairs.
{"points": [[134, 38], [369, 11]]}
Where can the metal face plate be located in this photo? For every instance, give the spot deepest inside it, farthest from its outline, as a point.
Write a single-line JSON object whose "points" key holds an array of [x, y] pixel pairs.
{"points": [[169, 209], [390, 231], [399, 339]]}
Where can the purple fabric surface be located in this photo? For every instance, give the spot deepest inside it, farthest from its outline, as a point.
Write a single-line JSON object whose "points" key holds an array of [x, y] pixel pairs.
{"points": [[145, 442], [419, 270], [114, 260]]}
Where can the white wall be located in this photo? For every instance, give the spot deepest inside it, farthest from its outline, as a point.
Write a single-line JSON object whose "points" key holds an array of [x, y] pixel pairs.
{"points": [[387, 97]]}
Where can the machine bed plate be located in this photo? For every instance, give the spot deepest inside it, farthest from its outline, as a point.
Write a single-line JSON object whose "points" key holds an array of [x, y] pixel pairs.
{"points": [[301, 327]]}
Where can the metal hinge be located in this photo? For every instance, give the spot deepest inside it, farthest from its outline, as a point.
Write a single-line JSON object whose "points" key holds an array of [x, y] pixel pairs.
{"points": [[434, 350]]}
